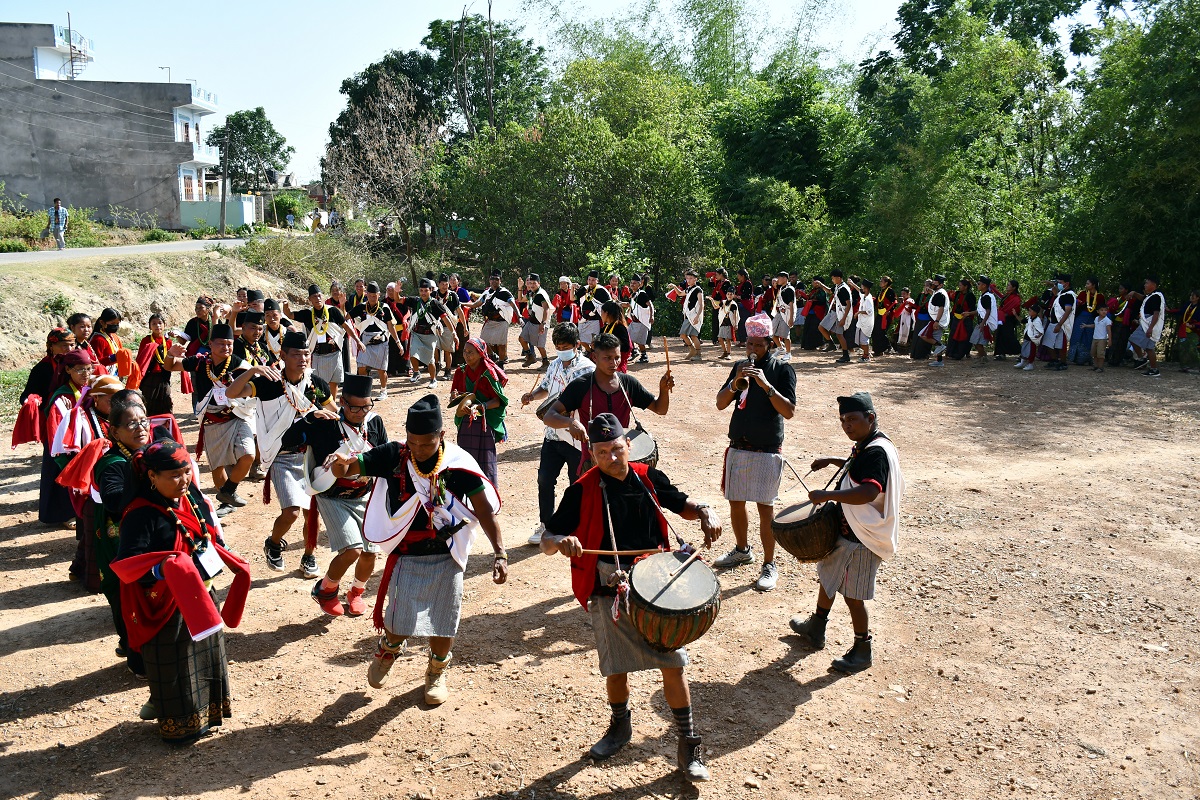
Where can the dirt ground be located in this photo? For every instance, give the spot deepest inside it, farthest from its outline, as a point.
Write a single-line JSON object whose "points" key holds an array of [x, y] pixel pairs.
{"points": [[1036, 635]]}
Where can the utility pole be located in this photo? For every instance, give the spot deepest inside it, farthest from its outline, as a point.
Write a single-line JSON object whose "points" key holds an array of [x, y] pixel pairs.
{"points": [[224, 176]]}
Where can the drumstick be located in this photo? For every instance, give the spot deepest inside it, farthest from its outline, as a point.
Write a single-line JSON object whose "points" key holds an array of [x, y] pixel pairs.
{"points": [[797, 474], [686, 564], [620, 552], [667, 353]]}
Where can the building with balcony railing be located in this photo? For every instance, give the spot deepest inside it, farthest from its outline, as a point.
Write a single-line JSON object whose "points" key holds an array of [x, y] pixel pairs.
{"points": [[99, 144]]}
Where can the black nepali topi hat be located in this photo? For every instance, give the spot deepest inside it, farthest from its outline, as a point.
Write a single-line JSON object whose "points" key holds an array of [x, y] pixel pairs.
{"points": [[425, 416]]}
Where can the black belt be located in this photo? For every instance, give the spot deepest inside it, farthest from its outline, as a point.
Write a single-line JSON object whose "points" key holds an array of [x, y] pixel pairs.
{"points": [[744, 444]]}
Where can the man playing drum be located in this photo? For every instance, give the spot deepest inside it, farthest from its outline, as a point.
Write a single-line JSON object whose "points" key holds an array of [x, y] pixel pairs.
{"points": [[762, 390], [869, 496], [617, 506]]}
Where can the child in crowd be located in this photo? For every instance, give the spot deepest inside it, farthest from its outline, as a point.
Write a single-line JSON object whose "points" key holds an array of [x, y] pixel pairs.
{"points": [[1034, 330], [1101, 336]]}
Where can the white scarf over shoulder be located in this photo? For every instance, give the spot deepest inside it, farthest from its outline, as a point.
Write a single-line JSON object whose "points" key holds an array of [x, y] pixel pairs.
{"points": [[877, 524]]}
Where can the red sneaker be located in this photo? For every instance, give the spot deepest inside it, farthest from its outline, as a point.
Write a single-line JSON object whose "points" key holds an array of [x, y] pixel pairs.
{"points": [[328, 601], [355, 605]]}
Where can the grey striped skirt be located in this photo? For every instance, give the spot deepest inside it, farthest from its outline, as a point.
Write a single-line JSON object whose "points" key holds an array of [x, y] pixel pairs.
{"points": [[752, 477], [495, 332], [420, 347], [688, 329], [374, 356], [424, 597], [639, 333], [328, 367], [849, 569], [343, 518], [226, 442], [530, 333], [287, 480], [619, 646], [588, 330]]}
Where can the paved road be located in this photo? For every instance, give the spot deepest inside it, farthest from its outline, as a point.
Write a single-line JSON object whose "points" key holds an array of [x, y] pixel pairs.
{"points": [[187, 245]]}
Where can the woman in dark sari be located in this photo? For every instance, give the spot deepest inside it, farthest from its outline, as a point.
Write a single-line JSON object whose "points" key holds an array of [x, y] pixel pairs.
{"points": [[478, 431], [168, 527]]}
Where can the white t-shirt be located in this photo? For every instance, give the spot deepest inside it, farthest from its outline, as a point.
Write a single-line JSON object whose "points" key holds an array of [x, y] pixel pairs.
{"points": [[1102, 326]]}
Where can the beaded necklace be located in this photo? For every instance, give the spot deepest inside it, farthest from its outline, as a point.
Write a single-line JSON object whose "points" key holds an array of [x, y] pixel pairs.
{"points": [[214, 379], [435, 489], [255, 356], [1188, 313], [287, 394], [1091, 300], [160, 351], [275, 351]]}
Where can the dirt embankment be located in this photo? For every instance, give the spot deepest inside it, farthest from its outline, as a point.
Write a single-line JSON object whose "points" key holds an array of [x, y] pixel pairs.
{"points": [[35, 297]]}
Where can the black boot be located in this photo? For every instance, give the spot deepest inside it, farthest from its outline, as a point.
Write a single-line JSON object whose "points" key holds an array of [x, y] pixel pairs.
{"points": [[691, 759], [620, 731], [857, 659], [812, 629]]}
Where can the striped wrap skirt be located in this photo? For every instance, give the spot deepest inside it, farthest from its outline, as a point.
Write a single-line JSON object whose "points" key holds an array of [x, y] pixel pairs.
{"points": [[849, 569], [328, 367], [495, 332], [424, 596], [588, 329], [639, 333], [287, 480], [529, 332], [752, 477], [619, 646], [374, 356], [226, 442], [343, 518]]}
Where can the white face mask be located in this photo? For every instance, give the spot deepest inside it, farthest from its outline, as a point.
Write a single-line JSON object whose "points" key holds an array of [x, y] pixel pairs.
{"points": [[566, 356]]}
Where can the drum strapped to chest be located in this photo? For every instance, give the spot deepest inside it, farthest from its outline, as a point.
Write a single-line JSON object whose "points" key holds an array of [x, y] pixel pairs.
{"points": [[809, 532], [545, 406], [672, 610]]}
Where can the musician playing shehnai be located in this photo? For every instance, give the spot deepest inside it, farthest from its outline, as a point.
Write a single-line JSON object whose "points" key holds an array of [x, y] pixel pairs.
{"points": [[762, 391], [617, 506]]}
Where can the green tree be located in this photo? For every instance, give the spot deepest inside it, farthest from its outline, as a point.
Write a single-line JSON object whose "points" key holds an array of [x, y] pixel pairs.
{"points": [[254, 147]]}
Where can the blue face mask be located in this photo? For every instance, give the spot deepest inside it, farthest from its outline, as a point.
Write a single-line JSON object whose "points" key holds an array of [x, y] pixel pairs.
{"points": [[566, 356], [1060, 286]]}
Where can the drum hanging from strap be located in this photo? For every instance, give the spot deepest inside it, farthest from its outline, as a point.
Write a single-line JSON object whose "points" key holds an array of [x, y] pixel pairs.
{"points": [[806, 532], [545, 406], [642, 447], [672, 611]]}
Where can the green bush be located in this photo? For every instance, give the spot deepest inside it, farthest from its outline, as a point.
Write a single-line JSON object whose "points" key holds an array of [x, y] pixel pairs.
{"points": [[18, 227], [202, 229], [59, 304], [294, 201], [13, 246], [158, 235], [12, 383], [308, 259]]}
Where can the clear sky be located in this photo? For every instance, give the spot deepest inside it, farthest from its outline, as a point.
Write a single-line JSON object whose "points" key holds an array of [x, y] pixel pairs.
{"points": [[291, 58]]}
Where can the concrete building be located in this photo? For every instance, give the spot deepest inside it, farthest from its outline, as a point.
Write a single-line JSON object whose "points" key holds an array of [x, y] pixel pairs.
{"points": [[101, 144]]}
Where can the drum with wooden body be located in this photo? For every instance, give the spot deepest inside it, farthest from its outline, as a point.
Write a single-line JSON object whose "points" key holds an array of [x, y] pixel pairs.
{"points": [[806, 532], [545, 406], [671, 611], [642, 447]]}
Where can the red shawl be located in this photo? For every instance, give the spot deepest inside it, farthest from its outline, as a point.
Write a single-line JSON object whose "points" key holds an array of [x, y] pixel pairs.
{"points": [[591, 529], [147, 608]]}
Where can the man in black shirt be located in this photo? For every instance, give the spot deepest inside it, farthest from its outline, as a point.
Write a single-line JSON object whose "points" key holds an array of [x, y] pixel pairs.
{"points": [[533, 332], [499, 309], [606, 391], [275, 325], [326, 329], [249, 346], [342, 501], [426, 510], [451, 340], [618, 506], [868, 498], [589, 299], [429, 319], [286, 393], [255, 302], [375, 324], [762, 390]]}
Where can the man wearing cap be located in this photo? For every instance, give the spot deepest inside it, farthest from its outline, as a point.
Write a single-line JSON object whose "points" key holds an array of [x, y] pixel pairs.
{"points": [[196, 331], [226, 430], [868, 499], [762, 390], [285, 393], [326, 329], [841, 310], [641, 309], [1060, 320], [1151, 321], [617, 506], [451, 339], [692, 297], [249, 346], [342, 501], [533, 332], [375, 324], [785, 317], [255, 302], [987, 314], [939, 320], [499, 309], [590, 298], [275, 325], [429, 319], [425, 513]]}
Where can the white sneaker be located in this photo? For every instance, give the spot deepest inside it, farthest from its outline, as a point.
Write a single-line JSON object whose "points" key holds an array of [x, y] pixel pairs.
{"points": [[769, 577], [433, 383], [785, 357], [735, 558], [937, 351], [1020, 363], [414, 378], [383, 394], [535, 538], [1027, 367]]}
